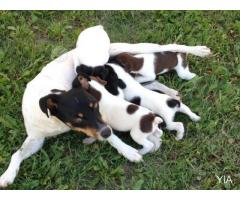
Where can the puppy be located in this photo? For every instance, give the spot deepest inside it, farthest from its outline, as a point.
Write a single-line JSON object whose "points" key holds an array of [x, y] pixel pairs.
{"points": [[79, 110], [124, 116], [161, 104], [146, 67]]}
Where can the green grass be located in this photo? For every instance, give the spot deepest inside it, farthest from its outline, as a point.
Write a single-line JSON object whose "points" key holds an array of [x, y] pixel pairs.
{"points": [[29, 40]]}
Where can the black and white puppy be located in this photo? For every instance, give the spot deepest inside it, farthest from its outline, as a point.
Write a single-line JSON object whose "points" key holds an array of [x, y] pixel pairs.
{"points": [[161, 104], [122, 115]]}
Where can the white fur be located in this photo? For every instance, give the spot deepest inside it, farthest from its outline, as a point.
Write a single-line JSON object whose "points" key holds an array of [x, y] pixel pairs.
{"points": [[117, 48], [154, 101], [114, 112], [93, 47]]}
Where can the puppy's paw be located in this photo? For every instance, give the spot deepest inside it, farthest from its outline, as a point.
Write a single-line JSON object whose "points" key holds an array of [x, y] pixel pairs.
{"points": [[201, 51], [189, 76], [195, 118], [179, 136], [132, 155], [174, 94], [89, 140]]}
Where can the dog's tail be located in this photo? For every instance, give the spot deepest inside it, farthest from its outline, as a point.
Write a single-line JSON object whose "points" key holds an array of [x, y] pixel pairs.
{"points": [[117, 48]]}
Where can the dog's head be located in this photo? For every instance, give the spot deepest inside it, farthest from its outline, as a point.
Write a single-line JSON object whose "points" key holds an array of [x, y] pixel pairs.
{"points": [[104, 75], [78, 109]]}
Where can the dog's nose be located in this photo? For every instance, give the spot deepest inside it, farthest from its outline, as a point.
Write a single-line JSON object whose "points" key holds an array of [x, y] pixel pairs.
{"points": [[105, 132]]}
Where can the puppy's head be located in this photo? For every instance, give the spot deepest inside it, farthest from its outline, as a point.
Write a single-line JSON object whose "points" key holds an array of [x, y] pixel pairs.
{"points": [[78, 109]]}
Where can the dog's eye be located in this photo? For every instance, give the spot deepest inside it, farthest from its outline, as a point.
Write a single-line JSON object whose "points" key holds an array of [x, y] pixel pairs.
{"points": [[77, 120], [80, 115]]}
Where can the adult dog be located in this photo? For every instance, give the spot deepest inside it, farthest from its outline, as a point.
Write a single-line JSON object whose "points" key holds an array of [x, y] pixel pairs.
{"points": [[59, 74]]}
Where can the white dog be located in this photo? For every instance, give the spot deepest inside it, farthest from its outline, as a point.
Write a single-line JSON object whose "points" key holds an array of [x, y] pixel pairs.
{"points": [[59, 74]]}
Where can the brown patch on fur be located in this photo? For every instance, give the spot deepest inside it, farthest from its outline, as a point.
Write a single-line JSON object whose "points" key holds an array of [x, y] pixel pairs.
{"points": [[51, 104], [99, 80], [88, 131], [184, 59], [129, 62], [166, 60], [84, 82], [94, 93], [132, 108], [146, 123]]}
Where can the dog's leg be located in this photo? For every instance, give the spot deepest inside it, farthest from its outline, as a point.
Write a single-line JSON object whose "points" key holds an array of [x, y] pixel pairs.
{"points": [[184, 73], [156, 141], [29, 147], [186, 110], [127, 151], [176, 126], [145, 78], [158, 87], [142, 139], [117, 48]]}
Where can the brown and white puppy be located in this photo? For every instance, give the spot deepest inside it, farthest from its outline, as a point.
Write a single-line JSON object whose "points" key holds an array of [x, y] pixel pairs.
{"points": [[146, 67], [124, 116]]}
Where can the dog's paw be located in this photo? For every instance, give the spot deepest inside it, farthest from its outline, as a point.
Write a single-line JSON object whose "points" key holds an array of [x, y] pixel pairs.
{"points": [[179, 136], [189, 76], [174, 94], [6, 179], [89, 140], [201, 51], [195, 118], [132, 155]]}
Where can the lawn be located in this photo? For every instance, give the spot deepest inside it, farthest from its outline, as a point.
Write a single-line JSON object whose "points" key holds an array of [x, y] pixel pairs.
{"points": [[211, 148]]}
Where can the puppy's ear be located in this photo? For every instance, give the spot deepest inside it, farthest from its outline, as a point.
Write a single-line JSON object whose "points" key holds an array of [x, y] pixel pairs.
{"points": [[84, 69], [49, 103]]}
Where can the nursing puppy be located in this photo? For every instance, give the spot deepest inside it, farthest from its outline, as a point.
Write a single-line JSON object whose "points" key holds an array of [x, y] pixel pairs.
{"points": [[161, 104], [146, 67], [79, 110], [124, 116]]}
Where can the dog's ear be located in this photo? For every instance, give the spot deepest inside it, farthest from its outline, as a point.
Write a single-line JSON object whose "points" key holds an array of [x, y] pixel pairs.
{"points": [[49, 103], [101, 72], [84, 69]]}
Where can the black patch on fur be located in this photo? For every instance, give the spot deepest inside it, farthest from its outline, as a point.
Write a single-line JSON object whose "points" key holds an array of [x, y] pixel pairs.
{"points": [[136, 100], [132, 108], [121, 84], [57, 90], [172, 103], [158, 91], [146, 122], [162, 125]]}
